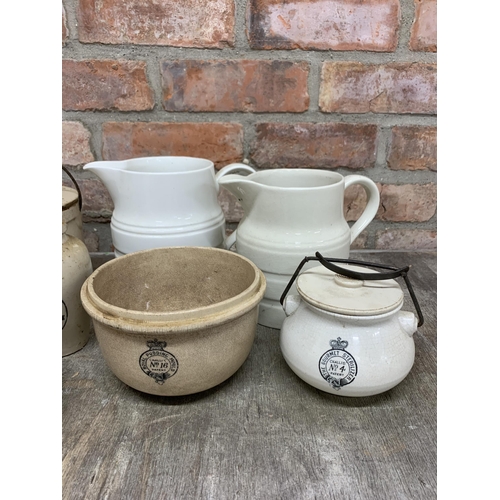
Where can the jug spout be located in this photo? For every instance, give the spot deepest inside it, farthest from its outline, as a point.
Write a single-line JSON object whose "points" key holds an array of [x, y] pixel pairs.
{"points": [[108, 172], [245, 189]]}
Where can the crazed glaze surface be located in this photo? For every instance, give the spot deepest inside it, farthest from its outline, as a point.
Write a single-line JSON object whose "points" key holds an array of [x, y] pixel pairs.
{"points": [[347, 355], [76, 268]]}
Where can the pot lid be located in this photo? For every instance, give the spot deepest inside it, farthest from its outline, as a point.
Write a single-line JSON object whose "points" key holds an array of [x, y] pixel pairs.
{"points": [[340, 294], [69, 197]]}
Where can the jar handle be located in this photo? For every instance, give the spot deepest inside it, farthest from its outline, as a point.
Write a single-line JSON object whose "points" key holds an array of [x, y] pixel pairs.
{"points": [[392, 273], [80, 202]]}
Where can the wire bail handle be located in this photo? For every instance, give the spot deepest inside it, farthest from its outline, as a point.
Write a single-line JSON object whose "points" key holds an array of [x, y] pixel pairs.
{"points": [[80, 201], [392, 273]]}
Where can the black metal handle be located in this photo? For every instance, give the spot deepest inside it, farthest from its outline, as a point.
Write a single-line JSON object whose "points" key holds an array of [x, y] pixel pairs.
{"points": [[393, 273], [80, 201]]}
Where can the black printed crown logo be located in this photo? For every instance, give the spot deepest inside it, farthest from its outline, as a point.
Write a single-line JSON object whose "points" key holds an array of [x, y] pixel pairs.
{"points": [[156, 344], [339, 343]]}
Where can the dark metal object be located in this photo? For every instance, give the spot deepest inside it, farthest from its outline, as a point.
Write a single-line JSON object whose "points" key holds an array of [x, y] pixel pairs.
{"points": [[80, 201], [393, 273]]}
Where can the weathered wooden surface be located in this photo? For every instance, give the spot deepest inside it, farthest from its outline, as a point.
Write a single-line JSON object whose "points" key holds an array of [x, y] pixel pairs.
{"points": [[263, 434]]}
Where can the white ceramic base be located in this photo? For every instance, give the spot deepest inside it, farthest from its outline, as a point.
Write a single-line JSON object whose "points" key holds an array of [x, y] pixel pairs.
{"points": [[354, 392], [129, 241], [367, 355]]}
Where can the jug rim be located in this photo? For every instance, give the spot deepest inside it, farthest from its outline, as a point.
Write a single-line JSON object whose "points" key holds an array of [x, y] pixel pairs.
{"points": [[333, 178], [202, 164]]}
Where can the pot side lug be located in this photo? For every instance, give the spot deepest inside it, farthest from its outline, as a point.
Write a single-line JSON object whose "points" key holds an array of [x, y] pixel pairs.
{"points": [[408, 322], [291, 304]]}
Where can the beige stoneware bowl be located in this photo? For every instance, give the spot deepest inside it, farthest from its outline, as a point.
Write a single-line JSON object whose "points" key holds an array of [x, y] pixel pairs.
{"points": [[175, 321]]}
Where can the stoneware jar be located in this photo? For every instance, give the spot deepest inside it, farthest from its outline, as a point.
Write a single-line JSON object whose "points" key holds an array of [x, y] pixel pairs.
{"points": [[345, 333], [72, 208], [289, 213], [71, 214], [76, 268], [164, 201]]}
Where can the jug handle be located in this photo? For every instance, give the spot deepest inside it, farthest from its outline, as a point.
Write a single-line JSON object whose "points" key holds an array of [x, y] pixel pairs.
{"points": [[372, 205], [231, 168], [231, 239]]}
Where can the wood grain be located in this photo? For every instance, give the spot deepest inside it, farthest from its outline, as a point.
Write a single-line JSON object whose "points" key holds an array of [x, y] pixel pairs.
{"points": [[263, 434]]}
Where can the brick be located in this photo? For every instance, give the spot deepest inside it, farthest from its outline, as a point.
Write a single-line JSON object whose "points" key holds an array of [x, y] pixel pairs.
{"points": [[105, 85], [230, 207], [413, 148], [235, 85], [65, 33], [423, 35], [407, 203], [220, 142], [398, 203], [179, 23], [75, 144], [354, 87], [314, 145], [354, 205], [406, 239], [370, 25], [354, 202]]}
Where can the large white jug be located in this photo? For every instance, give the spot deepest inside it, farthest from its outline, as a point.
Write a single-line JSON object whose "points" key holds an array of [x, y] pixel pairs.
{"points": [[164, 201], [290, 214]]}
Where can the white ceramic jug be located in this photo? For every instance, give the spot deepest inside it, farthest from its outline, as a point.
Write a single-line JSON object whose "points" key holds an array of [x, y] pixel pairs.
{"points": [[289, 213], [164, 201]]}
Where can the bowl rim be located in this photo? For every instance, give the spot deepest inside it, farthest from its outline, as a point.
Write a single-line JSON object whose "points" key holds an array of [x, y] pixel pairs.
{"points": [[136, 321]]}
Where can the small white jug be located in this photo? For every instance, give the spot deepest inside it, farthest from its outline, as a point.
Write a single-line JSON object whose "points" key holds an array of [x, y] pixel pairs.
{"points": [[164, 201]]}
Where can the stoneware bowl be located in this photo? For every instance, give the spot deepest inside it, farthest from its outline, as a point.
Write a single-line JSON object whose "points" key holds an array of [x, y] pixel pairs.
{"points": [[175, 321]]}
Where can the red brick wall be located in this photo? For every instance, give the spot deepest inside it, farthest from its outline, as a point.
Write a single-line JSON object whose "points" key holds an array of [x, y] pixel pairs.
{"points": [[347, 85]]}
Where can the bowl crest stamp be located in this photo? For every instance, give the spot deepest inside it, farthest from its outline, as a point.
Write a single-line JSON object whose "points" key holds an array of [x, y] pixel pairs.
{"points": [[158, 363], [337, 366]]}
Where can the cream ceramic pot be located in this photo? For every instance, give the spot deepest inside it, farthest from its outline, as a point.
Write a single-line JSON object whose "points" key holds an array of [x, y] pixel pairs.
{"points": [[72, 208], [289, 213], [76, 268], [348, 336], [175, 321], [164, 201], [71, 214]]}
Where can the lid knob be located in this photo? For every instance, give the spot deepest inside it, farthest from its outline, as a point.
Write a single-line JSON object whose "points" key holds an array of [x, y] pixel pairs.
{"points": [[347, 282]]}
